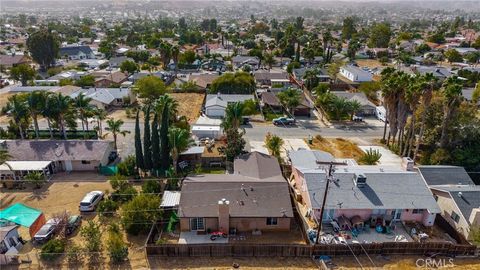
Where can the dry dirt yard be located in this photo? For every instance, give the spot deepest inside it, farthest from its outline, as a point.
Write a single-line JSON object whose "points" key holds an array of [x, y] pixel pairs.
{"points": [[189, 104], [55, 197], [338, 147]]}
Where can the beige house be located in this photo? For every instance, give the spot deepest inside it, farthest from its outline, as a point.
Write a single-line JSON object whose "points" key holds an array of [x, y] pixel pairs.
{"points": [[66, 155], [255, 201]]}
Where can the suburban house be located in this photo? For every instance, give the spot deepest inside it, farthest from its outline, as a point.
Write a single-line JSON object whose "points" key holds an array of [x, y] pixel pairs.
{"points": [[76, 52], [10, 240], [368, 108], [299, 73], [368, 193], [270, 101], [115, 62], [203, 80], [264, 77], [10, 61], [112, 79], [355, 74], [70, 155], [106, 98], [254, 198], [240, 61], [467, 93], [456, 194], [215, 104], [166, 76]]}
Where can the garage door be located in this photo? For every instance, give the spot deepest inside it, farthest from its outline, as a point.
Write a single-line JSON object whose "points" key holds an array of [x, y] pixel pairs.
{"points": [[215, 112]]}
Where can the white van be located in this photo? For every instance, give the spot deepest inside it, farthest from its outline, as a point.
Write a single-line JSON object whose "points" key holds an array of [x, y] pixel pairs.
{"points": [[381, 113]]}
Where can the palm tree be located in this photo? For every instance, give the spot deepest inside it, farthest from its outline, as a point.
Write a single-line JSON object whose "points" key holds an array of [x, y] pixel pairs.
{"points": [[4, 156], [175, 53], [49, 112], [101, 115], [452, 90], [115, 126], [290, 99], [339, 106], [36, 103], [274, 144], [82, 104], [18, 109], [179, 140], [233, 116], [62, 106], [172, 107], [269, 60], [353, 107]]}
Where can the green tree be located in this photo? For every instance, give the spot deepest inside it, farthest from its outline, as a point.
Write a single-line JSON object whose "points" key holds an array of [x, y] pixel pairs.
{"points": [[127, 166], [452, 91], [18, 110], [151, 186], [453, 55], [274, 144], [36, 102], [115, 126], [43, 47], [290, 99], [117, 248], [92, 236], [129, 67], [167, 104], [233, 83], [188, 57], [179, 140], [36, 178], [84, 109], [138, 215], [155, 143], [348, 28], [370, 157], [235, 144], [147, 142], [22, 73], [85, 81], [269, 60], [233, 115], [476, 94], [149, 88], [52, 249], [138, 144], [380, 35], [472, 57]]}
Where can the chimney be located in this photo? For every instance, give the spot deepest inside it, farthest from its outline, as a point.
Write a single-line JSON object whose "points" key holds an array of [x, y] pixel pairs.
{"points": [[360, 180], [407, 164], [475, 216], [223, 215]]}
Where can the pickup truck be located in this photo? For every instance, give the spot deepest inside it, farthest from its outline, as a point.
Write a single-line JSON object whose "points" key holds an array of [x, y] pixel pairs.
{"points": [[283, 121]]}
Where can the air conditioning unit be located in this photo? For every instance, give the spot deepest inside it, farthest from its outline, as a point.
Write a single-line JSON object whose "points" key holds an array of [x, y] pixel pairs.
{"points": [[359, 179]]}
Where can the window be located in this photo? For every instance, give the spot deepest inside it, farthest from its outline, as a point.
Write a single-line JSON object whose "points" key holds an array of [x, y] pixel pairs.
{"points": [[85, 162], [455, 217], [417, 211], [272, 221], [12, 241], [197, 224]]}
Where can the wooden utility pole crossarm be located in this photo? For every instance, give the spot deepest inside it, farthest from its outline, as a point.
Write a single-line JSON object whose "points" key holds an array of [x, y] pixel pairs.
{"points": [[327, 178]]}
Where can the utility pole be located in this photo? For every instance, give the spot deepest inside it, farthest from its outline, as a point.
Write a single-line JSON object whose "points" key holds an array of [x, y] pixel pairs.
{"points": [[327, 178]]}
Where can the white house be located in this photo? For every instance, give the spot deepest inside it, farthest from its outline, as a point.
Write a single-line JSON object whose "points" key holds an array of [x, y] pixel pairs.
{"points": [[355, 74], [10, 240], [215, 105], [76, 52]]}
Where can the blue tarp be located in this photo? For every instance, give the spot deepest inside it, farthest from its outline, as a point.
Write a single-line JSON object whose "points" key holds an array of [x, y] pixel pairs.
{"points": [[20, 214]]}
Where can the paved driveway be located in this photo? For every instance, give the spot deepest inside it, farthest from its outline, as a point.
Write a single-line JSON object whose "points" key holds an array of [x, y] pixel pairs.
{"points": [[388, 157], [194, 238]]}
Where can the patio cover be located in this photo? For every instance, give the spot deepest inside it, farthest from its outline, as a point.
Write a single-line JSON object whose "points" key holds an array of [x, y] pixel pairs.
{"points": [[170, 199], [24, 165]]}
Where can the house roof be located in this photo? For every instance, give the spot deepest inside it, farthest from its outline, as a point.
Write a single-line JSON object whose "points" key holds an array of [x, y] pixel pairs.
{"points": [[9, 60], [269, 75], [467, 93], [230, 98], [360, 97], [215, 101], [356, 71], [53, 150], [307, 159], [244, 59], [435, 175], [117, 61], [116, 77], [467, 200], [74, 50], [271, 99], [203, 80], [5, 230], [383, 190], [170, 199], [248, 197], [258, 165], [103, 95]]}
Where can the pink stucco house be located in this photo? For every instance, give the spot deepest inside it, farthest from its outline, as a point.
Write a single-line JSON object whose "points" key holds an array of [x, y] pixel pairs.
{"points": [[364, 192]]}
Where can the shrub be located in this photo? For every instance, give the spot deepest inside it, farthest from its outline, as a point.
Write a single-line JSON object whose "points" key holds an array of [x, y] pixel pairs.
{"points": [[139, 213], [52, 249], [127, 166], [107, 207], [152, 186], [92, 236], [124, 195], [117, 249], [371, 157]]}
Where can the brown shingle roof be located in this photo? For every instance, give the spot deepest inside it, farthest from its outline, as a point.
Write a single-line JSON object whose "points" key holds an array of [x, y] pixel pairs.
{"points": [[257, 165], [9, 60], [57, 149]]}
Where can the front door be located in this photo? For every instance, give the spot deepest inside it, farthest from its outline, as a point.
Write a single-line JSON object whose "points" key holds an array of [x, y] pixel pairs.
{"points": [[197, 224], [397, 214]]}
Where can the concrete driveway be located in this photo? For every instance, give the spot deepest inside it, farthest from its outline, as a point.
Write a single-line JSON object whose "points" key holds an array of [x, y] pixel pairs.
{"points": [[194, 238], [388, 157]]}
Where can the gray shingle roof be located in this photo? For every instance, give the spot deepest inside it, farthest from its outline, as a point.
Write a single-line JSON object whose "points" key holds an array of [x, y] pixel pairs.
{"points": [[445, 175], [258, 165], [469, 200], [57, 149], [74, 50], [307, 159], [360, 97], [384, 190]]}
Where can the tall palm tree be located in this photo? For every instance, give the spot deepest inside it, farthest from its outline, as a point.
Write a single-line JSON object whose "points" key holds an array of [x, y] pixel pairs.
{"points": [[172, 107], [115, 126], [175, 53], [50, 112], [339, 106], [387, 82], [429, 86], [353, 107], [100, 115], [290, 99], [63, 106], [84, 109], [452, 91], [274, 144], [179, 140], [233, 116], [269, 60], [18, 109], [412, 97], [36, 102]]}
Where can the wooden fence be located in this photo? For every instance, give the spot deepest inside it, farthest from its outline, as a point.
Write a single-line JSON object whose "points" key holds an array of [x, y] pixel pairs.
{"points": [[291, 250]]}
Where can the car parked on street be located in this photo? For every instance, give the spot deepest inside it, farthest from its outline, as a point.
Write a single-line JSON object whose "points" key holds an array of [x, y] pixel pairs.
{"points": [[283, 121], [90, 201]]}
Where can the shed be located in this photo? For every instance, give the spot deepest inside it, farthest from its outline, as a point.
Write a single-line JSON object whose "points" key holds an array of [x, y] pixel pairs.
{"points": [[24, 215], [170, 199], [206, 131]]}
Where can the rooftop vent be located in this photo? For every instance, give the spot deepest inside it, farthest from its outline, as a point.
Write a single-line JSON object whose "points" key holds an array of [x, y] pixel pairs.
{"points": [[360, 180], [460, 194]]}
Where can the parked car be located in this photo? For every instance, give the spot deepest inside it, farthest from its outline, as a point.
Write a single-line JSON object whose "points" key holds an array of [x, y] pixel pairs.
{"points": [[283, 121], [90, 201], [357, 118], [46, 232], [73, 223]]}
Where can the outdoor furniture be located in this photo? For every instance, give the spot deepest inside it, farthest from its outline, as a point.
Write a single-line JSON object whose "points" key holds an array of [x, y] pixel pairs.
{"points": [[357, 222], [344, 223]]}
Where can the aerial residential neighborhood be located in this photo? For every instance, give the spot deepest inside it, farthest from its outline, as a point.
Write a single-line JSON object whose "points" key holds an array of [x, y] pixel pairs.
{"points": [[239, 134]]}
